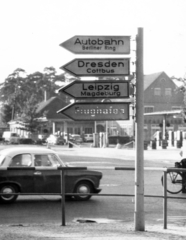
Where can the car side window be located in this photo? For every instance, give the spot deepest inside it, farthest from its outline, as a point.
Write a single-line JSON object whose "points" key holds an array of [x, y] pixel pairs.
{"points": [[54, 160], [42, 160], [21, 160]]}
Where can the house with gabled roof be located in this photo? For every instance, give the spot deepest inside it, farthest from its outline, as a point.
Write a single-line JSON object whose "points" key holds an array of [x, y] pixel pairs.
{"points": [[160, 94]]}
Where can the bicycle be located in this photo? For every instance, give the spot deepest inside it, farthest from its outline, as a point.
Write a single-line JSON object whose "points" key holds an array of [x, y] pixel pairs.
{"points": [[176, 181]]}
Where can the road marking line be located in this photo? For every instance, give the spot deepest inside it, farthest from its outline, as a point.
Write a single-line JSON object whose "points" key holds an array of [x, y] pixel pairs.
{"points": [[109, 185], [173, 218]]}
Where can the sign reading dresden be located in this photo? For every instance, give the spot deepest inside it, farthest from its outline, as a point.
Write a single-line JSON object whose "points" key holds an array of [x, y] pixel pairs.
{"points": [[98, 67], [97, 89], [98, 44], [97, 111]]}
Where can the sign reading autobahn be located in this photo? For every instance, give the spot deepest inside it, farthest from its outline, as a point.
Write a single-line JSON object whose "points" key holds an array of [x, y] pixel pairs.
{"points": [[98, 44], [98, 67], [97, 111], [97, 89]]}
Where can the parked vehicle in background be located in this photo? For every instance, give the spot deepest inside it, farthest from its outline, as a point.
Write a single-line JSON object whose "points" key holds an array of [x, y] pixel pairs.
{"points": [[55, 140], [37, 172], [76, 138], [88, 137], [11, 137], [1, 137]]}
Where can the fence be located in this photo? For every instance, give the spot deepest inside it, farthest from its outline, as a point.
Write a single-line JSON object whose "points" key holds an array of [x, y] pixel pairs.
{"points": [[165, 197], [63, 194]]}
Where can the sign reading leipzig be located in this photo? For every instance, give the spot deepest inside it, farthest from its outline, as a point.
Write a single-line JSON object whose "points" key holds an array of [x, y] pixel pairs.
{"points": [[97, 111], [98, 67], [97, 89], [98, 44]]}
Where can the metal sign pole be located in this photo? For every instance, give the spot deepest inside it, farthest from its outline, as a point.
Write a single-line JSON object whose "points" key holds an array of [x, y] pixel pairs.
{"points": [[139, 158]]}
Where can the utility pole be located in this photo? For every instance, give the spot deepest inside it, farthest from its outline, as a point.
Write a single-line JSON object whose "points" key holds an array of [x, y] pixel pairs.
{"points": [[139, 137]]}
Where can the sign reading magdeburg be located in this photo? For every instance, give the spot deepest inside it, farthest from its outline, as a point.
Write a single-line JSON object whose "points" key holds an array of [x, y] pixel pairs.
{"points": [[98, 67], [98, 44], [97, 89]]}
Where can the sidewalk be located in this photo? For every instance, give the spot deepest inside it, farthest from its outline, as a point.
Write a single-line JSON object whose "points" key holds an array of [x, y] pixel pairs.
{"points": [[122, 154], [89, 231]]}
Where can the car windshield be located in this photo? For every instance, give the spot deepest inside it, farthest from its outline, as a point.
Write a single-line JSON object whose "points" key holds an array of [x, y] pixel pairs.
{"points": [[2, 159]]}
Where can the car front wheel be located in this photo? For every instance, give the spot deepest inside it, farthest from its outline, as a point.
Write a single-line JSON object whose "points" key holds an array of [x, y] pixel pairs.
{"points": [[8, 189], [83, 187]]}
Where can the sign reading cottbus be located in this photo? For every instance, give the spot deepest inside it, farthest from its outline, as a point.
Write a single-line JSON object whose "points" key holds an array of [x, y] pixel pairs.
{"points": [[98, 44], [97, 111], [97, 89], [98, 67]]}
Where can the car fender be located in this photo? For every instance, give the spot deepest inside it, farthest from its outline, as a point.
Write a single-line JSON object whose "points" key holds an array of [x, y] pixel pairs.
{"points": [[12, 183], [85, 180]]}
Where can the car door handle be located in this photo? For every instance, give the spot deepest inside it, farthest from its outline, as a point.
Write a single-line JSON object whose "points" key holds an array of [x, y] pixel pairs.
{"points": [[37, 173]]}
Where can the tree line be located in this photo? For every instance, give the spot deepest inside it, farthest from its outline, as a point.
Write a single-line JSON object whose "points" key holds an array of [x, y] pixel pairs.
{"points": [[21, 93]]}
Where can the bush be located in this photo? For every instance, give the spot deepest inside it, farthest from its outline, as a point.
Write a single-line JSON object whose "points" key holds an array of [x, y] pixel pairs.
{"points": [[26, 141], [119, 139]]}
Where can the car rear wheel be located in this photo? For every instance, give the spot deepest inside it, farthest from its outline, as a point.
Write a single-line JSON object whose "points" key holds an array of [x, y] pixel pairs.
{"points": [[83, 187], [8, 189]]}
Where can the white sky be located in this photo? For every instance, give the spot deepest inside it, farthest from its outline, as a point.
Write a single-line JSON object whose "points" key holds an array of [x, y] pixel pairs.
{"points": [[31, 31]]}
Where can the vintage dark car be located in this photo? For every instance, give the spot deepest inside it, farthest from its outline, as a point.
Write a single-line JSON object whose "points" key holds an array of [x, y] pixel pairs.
{"points": [[36, 170]]}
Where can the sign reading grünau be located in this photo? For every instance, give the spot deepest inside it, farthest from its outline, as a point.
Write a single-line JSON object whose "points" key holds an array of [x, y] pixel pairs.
{"points": [[98, 67], [98, 44], [97, 89], [96, 111]]}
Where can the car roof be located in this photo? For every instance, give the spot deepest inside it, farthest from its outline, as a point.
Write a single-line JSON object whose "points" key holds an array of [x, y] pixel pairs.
{"points": [[17, 150]]}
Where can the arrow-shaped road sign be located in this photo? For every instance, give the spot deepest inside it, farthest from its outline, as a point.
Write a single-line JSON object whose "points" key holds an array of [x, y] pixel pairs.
{"points": [[97, 89], [97, 111], [98, 67], [98, 44]]}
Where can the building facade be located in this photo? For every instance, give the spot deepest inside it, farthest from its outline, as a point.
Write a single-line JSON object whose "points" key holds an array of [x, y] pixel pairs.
{"points": [[160, 94]]}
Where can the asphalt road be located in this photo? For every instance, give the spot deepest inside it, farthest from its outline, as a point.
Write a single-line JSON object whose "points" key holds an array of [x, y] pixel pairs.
{"points": [[47, 209]]}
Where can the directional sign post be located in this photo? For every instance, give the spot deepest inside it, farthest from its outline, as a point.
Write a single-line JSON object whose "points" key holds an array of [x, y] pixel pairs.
{"points": [[98, 67], [98, 44], [97, 89], [97, 111], [105, 111]]}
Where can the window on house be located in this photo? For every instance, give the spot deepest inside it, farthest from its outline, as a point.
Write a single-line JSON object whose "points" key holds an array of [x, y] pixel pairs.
{"points": [[70, 130], [124, 131], [148, 109], [157, 91], [155, 126], [77, 130], [168, 92], [176, 107], [88, 131]]}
